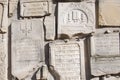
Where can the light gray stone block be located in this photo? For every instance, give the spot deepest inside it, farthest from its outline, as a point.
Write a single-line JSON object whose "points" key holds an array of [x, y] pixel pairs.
{"points": [[67, 60], [105, 44], [35, 8], [3, 15], [27, 47], [105, 65], [74, 18], [50, 27]]}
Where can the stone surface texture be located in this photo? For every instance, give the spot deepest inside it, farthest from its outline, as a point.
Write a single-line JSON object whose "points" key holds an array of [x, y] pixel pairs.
{"points": [[59, 40]]}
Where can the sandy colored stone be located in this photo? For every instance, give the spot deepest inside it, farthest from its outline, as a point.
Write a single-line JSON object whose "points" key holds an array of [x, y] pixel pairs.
{"points": [[109, 12]]}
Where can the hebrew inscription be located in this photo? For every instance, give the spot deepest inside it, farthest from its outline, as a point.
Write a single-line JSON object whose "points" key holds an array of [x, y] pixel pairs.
{"points": [[105, 65], [76, 18], [27, 46], [106, 44], [67, 59]]}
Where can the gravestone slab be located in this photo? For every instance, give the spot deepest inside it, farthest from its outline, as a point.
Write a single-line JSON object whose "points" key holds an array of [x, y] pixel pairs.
{"points": [[27, 46], [105, 54], [111, 6], [105, 65], [50, 27], [67, 60], [105, 44], [76, 18], [35, 8]]}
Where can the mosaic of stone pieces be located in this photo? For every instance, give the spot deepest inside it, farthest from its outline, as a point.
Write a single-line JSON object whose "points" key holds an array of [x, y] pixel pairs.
{"points": [[59, 40]]}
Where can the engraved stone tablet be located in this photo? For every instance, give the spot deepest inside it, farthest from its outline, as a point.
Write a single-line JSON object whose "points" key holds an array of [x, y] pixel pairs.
{"points": [[105, 65], [105, 54], [27, 46], [34, 8], [68, 60], [111, 7], [106, 45], [76, 18]]}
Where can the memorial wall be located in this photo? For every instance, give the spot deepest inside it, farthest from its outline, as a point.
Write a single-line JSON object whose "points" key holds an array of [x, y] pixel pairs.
{"points": [[59, 40]]}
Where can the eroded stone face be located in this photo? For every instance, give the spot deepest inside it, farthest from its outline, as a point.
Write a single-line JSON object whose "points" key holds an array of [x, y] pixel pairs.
{"points": [[13, 6], [67, 60], [1, 12], [35, 8], [76, 18], [27, 47], [105, 54], [105, 44], [50, 27], [3, 57]]}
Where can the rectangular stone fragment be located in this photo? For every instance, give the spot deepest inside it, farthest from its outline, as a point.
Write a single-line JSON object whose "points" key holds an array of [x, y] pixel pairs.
{"points": [[105, 65], [105, 44], [3, 58], [27, 46], [67, 60], [35, 8], [13, 5], [109, 12], [1, 13], [50, 27], [74, 18]]}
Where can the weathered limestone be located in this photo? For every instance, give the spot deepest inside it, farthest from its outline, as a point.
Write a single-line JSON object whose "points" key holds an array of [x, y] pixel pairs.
{"points": [[13, 5], [3, 40], [105, 54], [27, 47], [3, 58], [3, 15], [109, 12], [106, 44], [35, 8], [49, 24], [67, 60], [74, 18]]}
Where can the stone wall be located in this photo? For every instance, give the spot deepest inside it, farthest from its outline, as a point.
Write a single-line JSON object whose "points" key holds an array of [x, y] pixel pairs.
{"points": [[59, 40]]}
